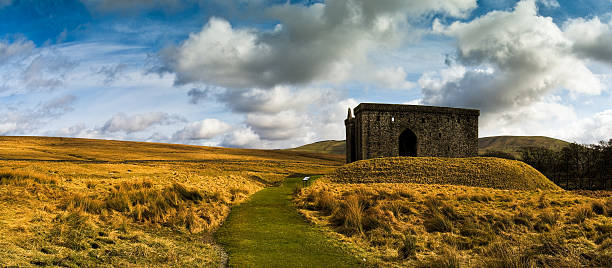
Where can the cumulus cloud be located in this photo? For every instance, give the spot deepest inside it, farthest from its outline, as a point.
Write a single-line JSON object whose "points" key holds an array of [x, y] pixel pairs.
{"points": [[595, 128], [139, 122], [507, 60], [393, 78], [202, 130], [280, 126], [320, 42], [591, 38], [550, 117], [282, 116], [242, 138]]}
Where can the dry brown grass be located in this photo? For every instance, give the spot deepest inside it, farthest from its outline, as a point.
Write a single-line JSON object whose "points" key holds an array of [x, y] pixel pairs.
{"points": [[477, 171], [126, 203], [428, 225]]}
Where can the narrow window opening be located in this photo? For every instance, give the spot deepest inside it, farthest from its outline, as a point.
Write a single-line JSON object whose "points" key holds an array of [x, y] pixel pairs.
{"points": [[392, 119], [423, 120], [378, 118]]}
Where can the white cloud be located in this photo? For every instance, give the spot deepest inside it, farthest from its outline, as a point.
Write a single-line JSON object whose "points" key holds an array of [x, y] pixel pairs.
{"points": [[19, 47], [322, 42], [242, 138], [549, 117], [23, 67], [594, 129], [508, 60], [273, 100], [201, 130], [393, 78], [17, 120], [550, 3], [592, 38], [280, 126], [139, 122]]}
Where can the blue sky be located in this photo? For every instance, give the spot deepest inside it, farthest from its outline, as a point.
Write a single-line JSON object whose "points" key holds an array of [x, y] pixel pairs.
{"points": [[277, 74]]}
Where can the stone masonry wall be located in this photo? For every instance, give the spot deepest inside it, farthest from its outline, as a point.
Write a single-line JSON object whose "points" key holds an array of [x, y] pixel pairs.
{"points": [[440, 131]]}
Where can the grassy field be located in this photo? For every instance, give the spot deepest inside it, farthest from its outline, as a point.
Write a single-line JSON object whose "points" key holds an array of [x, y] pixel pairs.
{"points": [[79, 202], [476, 171], [429, 225], [267, 231]]}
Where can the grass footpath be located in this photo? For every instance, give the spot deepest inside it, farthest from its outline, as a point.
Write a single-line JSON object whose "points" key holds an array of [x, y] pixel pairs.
{"points": [[267, 231]]}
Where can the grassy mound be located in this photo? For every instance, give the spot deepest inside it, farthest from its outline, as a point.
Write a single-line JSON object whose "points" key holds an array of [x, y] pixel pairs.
{"points": [[477, 171]]}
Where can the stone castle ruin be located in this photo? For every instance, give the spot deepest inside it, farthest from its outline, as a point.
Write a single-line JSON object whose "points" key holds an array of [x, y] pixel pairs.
{"points": [[384, 130]]}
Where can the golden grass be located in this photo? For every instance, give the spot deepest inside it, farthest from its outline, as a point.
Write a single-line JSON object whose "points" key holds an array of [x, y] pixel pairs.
{"points": [[429, 225], [128, 203], [477, 171]]}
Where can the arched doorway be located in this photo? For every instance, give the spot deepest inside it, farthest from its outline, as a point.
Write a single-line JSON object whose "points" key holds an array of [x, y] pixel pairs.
{"points": [[407, 143]]}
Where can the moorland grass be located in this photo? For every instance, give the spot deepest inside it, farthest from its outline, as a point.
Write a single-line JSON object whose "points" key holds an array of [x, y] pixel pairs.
{"points": [[428, 225], [267, 231], [476, 171], [84, 203]]}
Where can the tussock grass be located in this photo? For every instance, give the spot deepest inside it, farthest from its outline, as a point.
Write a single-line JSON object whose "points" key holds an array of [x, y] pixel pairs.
{"points": [[430, 225], [21, 178], [478, 171], [109, 203]]}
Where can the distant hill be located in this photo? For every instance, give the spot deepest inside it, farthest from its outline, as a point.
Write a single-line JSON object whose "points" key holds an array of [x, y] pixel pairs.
{"points": [[330, 147], [512, 144], [508, 144]]}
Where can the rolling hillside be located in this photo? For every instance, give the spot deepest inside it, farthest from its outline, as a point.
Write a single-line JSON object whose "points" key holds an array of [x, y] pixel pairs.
{"points": [[88, 203], [512, 144], [330, 147], [509, 144]]}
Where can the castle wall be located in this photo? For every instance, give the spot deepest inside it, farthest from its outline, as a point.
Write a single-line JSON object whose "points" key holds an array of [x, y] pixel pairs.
{"points": [[440, 131]]}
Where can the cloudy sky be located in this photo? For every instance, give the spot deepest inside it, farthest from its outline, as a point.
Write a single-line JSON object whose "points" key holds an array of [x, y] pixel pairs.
{"points": [[277, 74]]}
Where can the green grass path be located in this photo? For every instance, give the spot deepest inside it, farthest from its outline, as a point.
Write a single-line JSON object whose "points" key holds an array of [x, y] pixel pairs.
{"points": [[268, 231]]}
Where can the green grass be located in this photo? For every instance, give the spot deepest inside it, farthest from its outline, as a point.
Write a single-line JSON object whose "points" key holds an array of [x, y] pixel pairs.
{"points": [[328, 147], [513, 144], [267, 231]]}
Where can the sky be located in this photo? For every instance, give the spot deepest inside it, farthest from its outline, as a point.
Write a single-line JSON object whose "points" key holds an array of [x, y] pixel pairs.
{"points": [[279, 74]]}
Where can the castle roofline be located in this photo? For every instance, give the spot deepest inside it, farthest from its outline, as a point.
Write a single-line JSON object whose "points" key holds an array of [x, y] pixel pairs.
{"points": [[383, 107]]}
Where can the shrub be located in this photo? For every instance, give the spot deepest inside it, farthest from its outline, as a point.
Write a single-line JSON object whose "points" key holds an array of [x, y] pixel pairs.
{"points": [[499, 154], [350, 215], [325, 202]]}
